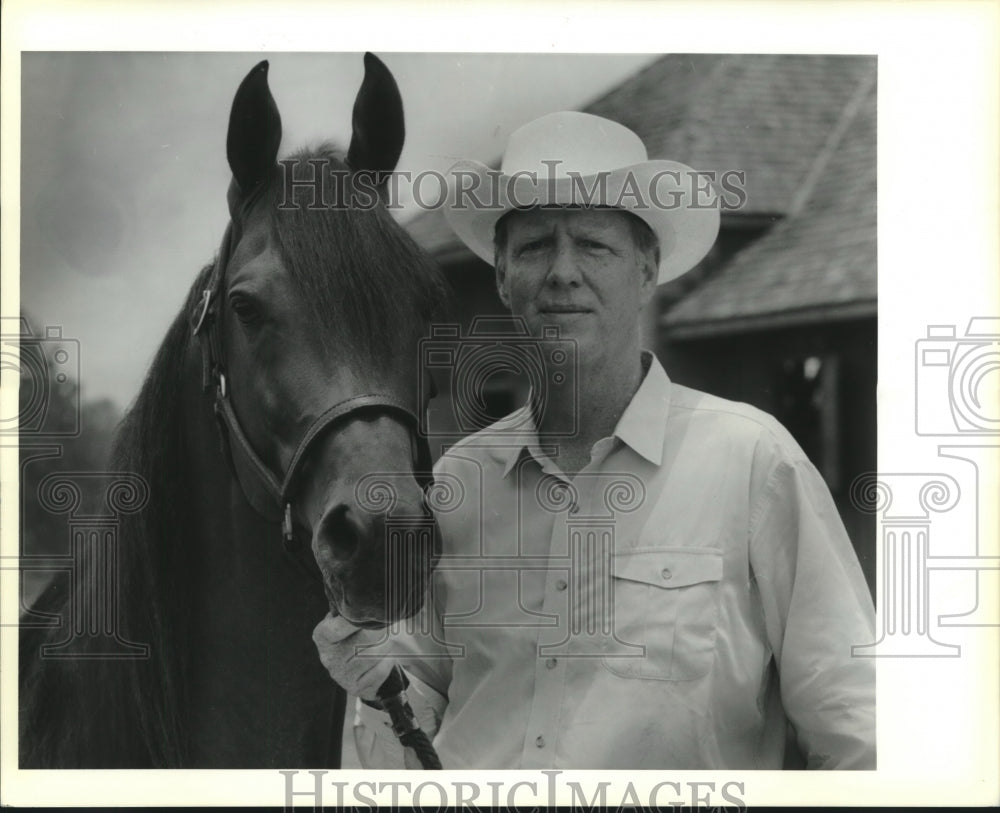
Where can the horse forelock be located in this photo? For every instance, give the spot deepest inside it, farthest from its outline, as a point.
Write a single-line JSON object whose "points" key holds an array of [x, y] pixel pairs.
{"points": [[365, 284]]}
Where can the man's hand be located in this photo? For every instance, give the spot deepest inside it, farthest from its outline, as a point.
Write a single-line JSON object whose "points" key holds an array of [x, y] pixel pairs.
{"points": [[341, 648]]}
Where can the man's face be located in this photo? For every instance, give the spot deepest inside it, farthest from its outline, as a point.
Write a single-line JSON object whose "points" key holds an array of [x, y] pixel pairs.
{"points": [[581, 270]]}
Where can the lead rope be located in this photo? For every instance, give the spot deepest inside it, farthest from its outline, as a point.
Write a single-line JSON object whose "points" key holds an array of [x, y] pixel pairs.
{"points": [[392, 699]]}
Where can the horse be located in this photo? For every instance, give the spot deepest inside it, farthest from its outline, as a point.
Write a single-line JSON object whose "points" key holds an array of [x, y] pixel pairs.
{"points": [[288, 378]]}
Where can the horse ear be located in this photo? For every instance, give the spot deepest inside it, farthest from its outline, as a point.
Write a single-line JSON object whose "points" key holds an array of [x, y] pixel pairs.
{"points": [[377, 122], [254, 131]]}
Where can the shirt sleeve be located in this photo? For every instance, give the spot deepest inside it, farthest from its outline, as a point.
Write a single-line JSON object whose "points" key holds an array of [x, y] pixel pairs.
{"points": [[816, 607]]}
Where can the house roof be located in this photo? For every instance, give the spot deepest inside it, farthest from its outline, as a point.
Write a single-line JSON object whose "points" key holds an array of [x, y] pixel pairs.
{"points": [[819, 262], [767, 115]]}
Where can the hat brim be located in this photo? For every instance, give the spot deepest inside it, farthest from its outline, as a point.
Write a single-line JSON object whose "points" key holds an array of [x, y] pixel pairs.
{"points": [[680, 208]]}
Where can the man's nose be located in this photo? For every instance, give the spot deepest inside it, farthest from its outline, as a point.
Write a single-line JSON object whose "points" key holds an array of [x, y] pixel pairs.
{"points": [[563, 269]]}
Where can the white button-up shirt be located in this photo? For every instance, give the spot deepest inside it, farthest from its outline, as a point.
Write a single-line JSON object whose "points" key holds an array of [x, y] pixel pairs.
{"points": [[639, 615]]}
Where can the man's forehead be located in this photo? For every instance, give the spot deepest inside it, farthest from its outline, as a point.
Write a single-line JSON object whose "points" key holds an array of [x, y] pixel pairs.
{"points": [[547, 217]]}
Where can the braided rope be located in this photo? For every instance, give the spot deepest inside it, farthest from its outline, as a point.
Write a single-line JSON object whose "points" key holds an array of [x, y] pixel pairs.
{"points": [[421, 744], [392, 699]]}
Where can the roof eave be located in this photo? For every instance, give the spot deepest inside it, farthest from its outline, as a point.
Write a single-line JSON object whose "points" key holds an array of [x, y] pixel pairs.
{"points": [[712, 328]]}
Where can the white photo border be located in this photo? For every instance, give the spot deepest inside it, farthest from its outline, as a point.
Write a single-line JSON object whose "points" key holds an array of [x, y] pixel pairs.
{"points": [[938, 134]]}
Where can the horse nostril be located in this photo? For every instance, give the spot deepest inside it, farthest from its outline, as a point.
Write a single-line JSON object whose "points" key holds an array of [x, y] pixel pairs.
{"points": [[339, 534]]}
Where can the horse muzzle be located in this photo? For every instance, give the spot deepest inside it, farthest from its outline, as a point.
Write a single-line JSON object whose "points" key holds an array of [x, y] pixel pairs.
{"points": [[376, 566]]}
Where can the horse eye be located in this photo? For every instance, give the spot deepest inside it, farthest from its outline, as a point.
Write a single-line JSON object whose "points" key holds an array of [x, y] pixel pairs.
{"points": [[246, 309]]}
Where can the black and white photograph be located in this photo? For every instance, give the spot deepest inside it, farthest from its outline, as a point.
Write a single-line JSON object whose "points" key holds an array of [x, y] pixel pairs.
{"points": [[468, 421]]}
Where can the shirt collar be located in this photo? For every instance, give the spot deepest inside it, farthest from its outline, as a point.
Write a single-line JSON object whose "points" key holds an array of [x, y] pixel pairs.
{"points": [[520, 436], [641, 427], [643, 424]]}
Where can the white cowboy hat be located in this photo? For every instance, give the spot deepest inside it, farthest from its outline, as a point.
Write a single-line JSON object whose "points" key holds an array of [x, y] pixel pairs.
{"points": [[574, 159]]}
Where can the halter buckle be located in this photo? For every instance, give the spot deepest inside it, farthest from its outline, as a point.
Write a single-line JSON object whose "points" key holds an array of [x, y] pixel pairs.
{"points": [[287, 534], [206, 302]]}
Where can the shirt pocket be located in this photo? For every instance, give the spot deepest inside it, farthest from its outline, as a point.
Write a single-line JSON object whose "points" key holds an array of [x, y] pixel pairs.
{"points": [[666, 600]]}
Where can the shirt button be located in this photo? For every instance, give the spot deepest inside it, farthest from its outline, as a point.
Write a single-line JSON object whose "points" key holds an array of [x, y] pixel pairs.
{"points": [[540, 742], [561, 585], [666, 573], [551, 663]]}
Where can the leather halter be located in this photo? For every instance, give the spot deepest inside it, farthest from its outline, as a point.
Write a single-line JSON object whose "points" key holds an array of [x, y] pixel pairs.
{"points": [[268, 492]]}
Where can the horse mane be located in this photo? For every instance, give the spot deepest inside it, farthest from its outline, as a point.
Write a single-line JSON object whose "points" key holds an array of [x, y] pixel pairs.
{"points": [[127, 713], [124, 713]]}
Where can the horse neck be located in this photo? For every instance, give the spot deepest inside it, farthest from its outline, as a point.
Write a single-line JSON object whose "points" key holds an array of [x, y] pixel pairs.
{"points": [[252, 680]]}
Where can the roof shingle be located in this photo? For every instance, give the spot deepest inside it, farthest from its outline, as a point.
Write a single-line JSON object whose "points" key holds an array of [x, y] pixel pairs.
{"points": [[767, 115], [818, 260]]}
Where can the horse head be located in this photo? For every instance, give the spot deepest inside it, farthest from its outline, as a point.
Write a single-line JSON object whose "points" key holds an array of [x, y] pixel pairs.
{"points": [[299, 347], [309, 325]]}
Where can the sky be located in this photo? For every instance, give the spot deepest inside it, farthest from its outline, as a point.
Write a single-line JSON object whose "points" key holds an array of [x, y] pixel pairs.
{"points": [[123, 168]]}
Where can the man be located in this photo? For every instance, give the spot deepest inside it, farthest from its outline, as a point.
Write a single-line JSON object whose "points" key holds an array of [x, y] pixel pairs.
{"points": [[665, 581]]}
